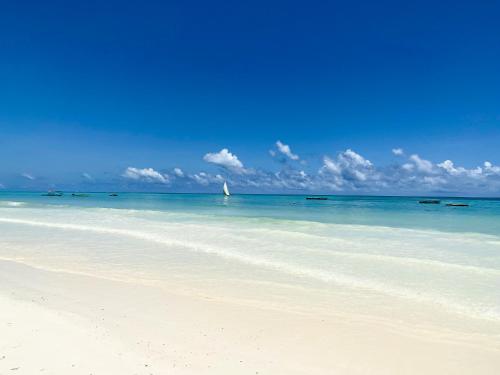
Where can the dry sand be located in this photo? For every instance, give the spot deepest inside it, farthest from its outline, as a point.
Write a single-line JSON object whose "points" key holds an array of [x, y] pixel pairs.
{"points": [[62, 323]]}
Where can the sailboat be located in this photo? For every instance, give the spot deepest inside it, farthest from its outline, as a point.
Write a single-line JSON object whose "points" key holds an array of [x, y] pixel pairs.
{"points": [[225, 190]]}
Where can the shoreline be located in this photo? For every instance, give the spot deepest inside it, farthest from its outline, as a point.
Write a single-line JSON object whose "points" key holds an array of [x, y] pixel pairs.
{"points": [[110, 327]]}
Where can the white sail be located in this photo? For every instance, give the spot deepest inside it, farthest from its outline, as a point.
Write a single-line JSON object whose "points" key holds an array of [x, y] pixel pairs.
{"points": [[225, 189]]}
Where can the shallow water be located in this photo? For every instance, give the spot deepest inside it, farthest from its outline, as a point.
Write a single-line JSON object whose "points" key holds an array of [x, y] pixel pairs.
{"points": [[385, 257], [481, 216]]}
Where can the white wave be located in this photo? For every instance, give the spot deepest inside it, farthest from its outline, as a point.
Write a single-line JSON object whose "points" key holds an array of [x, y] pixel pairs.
{"points": [[12, 203], [401, 260]]}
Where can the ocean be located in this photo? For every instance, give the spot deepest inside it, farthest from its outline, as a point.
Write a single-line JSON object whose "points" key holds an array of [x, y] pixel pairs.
{"points": [[381, 258]]}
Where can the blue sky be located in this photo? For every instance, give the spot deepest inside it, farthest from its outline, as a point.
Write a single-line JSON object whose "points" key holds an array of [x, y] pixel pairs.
{"points": [[115, 95]]}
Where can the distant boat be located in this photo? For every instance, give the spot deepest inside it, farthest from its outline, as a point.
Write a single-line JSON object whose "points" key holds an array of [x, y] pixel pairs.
{"points": [[225, 190], [52, 193], [80, 195], [113, 195], [317, 198], [430, 201], [457, 205]]}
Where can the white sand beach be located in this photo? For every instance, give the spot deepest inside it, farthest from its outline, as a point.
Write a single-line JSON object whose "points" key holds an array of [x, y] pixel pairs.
{"points": [[114, 292], [62, 323]]}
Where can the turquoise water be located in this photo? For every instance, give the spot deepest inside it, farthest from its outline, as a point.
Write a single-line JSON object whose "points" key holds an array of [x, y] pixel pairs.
{"points": [[388, 257], [482, 215]]}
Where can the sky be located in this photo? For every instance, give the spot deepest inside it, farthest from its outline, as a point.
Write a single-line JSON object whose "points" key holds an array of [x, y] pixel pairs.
{"points": [[362, 97]]}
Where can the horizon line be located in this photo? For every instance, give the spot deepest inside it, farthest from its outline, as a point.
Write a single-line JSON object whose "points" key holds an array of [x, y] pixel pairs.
{"points": [[276, 194]]}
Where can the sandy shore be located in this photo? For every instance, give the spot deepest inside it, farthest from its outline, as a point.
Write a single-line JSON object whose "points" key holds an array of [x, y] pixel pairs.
{"points": [[62, 323]]}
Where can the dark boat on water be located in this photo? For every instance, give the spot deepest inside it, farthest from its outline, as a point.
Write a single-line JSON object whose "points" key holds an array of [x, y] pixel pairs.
{"points": [[430, 201], [457, 205], [317, 198], [82, 195], [52, 193], [113, 195]]}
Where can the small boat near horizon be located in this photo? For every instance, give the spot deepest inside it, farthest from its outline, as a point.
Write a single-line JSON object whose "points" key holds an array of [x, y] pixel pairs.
{"points": [[430, 201], [52, 193], [457, 204], [225, 190], [81, 195], [317, 198]]}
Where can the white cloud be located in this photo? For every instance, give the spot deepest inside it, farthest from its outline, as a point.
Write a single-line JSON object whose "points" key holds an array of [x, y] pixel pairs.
{"points": [[398, 151], [422, 175], [205, 179], [291, 179], [408, 167], [331, 166], [225, 159], [422, 164], [355, 159], [345, 172], [487, 170], [28, 176], [87, 176], [178, 172], [448, 166], [286, 150], [145, 174], [490, 168], [349, 169], [434, 180], [451, 169]]}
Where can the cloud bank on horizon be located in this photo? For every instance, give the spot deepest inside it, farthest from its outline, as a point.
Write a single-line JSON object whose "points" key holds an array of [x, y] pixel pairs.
{"points": [[346, 172]]}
